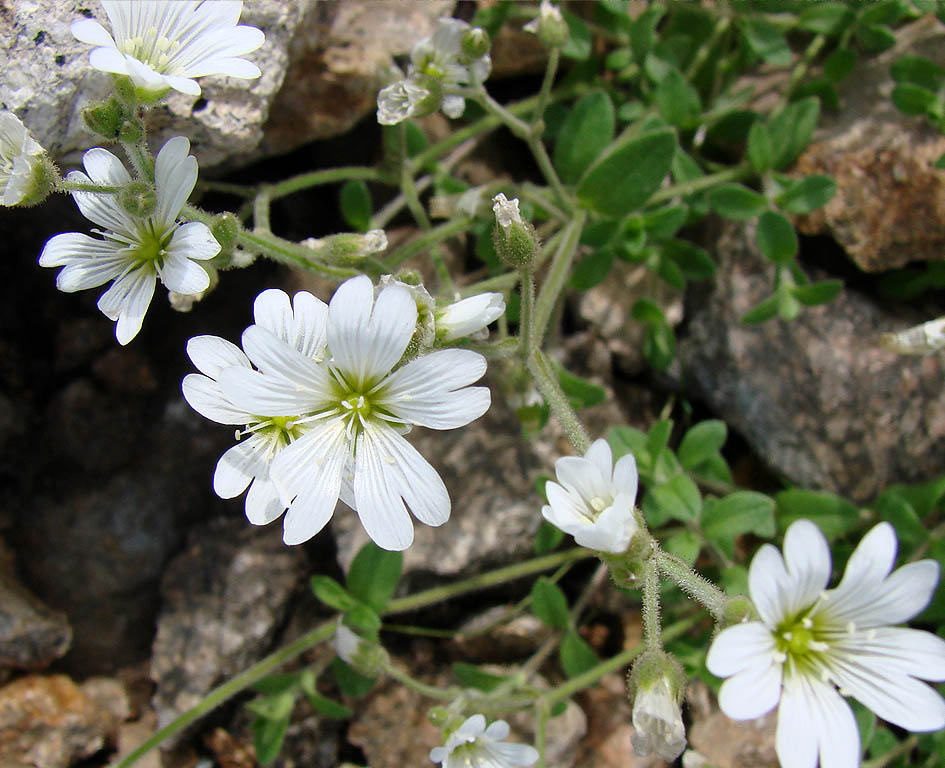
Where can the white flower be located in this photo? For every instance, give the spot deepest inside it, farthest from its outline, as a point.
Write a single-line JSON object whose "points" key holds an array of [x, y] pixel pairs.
{"points": [[657, 721], [506, 211], [594, 501], [246, 464], [21, 161], [399, 100], [355, 406], [469, 316], [164, 44], [472, 745], [548, 13], [809, 642], [135, 250]]}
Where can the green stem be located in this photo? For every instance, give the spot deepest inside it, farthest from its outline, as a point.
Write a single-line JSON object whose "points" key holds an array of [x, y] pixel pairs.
{"points": [[328, 176], [705, 49], [547, 383], [64, 185], [425, 240], [651, 606], [140, 158], [527, 313], [686, 188], [557, 275], [692, 583], [420, 687], [261, 210], [230, 688], [797, 74], [541, 722], [545, 93]]}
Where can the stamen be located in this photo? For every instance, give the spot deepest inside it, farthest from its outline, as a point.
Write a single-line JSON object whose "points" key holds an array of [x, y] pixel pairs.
{"points": [[807, 622], [817, 645], [851, 627]]}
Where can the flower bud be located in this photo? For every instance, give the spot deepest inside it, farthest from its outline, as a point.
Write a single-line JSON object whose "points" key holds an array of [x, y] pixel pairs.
{"points": [[515, 240], [105, 117], [476, 43], [138, 198], [27, 175], [226, 231], [656, 685], [737, 610], [469, 317], [424, 334], [550, 26], [131, 131], [348, 247], [414, 96], [367, 658]]}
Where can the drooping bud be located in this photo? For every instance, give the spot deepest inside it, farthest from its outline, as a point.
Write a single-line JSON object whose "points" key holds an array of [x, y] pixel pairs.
{"points": [[550, 26], [515, 240], [656, 685], [138, 198], [367, 658]]}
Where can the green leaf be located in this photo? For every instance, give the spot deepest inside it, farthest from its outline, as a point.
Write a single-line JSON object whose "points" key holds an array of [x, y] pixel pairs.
{"points": [[364, 620], [677, 101], [576, 655], [471, 676], [625, 178], [835, 516], [619, 58], [275, 707], [592, 269], [701, 441], [279, 683], [685, 545], [918, 71], [826, 18], [776, 237], [643, 32], [549, 603], [624, 440], [373, 575], [547, 538], [356, 205], [865, 723], [631, 111], [492, 17], [579, 42], [839, 64], [762, 311], [875, 37], [735, 201], [679, 498], [658, 437], [268, 736], [766, 41], [664, 222], [667, 269], [912, 99], [820, 292], [788, 306], [581, 392], [332, 594], [760, 149], [694, 262], [895, 509], [924, 497], [322, 704], [807, 194], [659, 346], [350, 683], [588, 128], [791, 130], [741, 512]]}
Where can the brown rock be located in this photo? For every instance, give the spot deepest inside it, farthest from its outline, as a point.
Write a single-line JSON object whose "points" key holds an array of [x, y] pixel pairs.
{"points": [[889, 208], [817, 398], [50, 722], [32, 635]]}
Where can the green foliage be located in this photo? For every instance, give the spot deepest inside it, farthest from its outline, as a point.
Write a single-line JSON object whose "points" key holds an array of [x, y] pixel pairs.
{"points": [[356, 205], [575, 654], [776, 238], [373, 575], [735, 201], [549, 603], [835, 516], [471, 676], [588, 128]]}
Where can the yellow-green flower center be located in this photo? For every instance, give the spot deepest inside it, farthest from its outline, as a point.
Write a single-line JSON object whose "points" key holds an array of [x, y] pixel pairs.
{"points": [[153, 50], [801, 638]]}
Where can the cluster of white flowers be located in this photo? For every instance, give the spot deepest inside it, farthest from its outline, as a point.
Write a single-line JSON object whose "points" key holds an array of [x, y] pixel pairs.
{"points": [[810, 641], [454, 55], [328, 403], [473, 745]]}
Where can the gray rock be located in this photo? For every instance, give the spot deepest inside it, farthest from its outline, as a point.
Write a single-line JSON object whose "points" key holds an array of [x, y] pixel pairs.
{"points": [[32, 635], [890, 203], [322, 65], [817, 398], [223, 600]]}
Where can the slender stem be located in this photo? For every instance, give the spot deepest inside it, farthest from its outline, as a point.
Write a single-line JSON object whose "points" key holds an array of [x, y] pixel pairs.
{"points": [[902, 748], [536, 194], [420, 687], [239, 190], [686, 188], [545, 93], [327, 176], [557, 275], [527, 313], [425, 240], [230, 688], [544, 163], [651, 606], [797, 74], [140, 158], [261, 210], [63, 185], [547, 383], [692, 583], [705, 49], [541, 722], [505, 281]]}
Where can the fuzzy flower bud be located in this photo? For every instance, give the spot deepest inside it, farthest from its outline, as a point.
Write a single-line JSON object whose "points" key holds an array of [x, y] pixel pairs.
{"points": [[348, 247], [367, 658], [138, 198], [105, 118], [469, 317], [550, 26], [26, 175], [515, 240], [657, 684], [408, 97], [476, 43]]}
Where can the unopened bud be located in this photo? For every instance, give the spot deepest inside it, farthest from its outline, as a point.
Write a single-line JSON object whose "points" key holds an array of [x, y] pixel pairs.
{"points": [[348, 247], [105, 117], [138, 198], [226, 231], [439, 716], [476, 43], [550, 26], [424, 333], [656, 685], [515, 240], [737, 610], [367, 658]]}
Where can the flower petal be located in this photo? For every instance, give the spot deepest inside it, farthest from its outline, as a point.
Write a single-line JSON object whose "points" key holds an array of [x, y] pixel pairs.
{"points": [[127, 302], [175, 174], [211, 354], [584, 478], [182, 275], [91, 32], [814, 719], [238, 466], [380, 506], [752, 692], [109, 60], [263, 504], [807, 558], [768, 583], [263, 395], [626, 478], [613, 529], [206, 398], [274, 356], [193, 240], [740, 647]]}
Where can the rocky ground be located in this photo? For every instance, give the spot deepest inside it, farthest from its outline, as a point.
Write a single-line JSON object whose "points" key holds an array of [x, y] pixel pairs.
{"points": [[128, 590]]}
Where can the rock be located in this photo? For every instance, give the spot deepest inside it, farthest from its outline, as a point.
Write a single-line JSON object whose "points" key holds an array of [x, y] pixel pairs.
{"points": [[32, 635], [52, 722], [725, 743], [817, 398], [889, 208], [223, 598], [322, 65]]}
